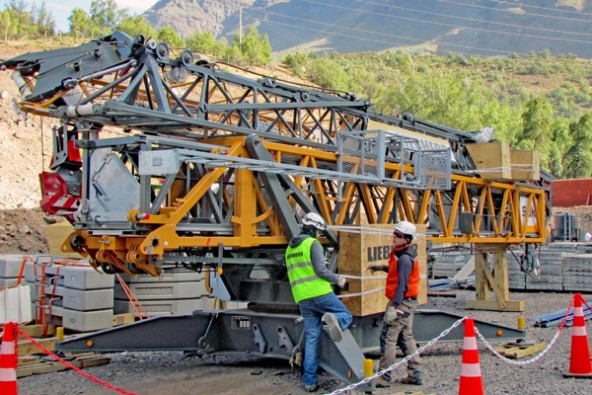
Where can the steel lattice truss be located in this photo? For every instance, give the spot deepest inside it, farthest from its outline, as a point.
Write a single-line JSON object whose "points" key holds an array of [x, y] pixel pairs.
{"points": [[241, 159]]}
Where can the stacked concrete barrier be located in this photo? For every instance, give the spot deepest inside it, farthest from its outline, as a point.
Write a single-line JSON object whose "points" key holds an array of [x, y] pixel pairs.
{"points": [[174, 292], [563, 266], [448, 263], [73, 295], [10, 266], [577, 272]]}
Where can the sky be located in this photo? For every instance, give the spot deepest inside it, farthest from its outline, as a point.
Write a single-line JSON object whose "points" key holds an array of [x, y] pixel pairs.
{"points": [[61, 9]]}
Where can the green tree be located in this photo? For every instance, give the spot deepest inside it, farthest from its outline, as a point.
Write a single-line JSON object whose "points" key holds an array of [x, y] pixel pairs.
{"points": [[137, 25], [255, 49], [7, 24], [44, 21], [562, 141], [297, 62], [579, 156], [79, 23], [202, 42], [170, 36], [104, 16], [537, 128]]}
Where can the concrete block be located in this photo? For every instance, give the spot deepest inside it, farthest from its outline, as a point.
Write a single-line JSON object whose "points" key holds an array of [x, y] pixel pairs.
{"points": [[85, 278], [10, 265], [170, 276], [163, 290], [161, 307], [85, 300], [84, 321], [8, 282]]}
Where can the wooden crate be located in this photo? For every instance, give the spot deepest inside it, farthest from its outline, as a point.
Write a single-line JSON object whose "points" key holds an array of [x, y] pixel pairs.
{"points": [[492, 160], [526, 165], [357, 252]]}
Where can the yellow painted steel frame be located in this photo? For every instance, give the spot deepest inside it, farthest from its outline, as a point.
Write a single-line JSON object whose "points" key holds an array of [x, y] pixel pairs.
{"points": [[499, 202]]}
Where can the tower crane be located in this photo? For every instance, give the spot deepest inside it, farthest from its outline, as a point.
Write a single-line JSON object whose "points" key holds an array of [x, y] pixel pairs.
{"points": [[210, 170]]}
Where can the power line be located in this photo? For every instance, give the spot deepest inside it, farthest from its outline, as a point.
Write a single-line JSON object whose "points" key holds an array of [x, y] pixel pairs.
{"points": [[542, 8], [474, 20], [521, 5], [447, 24], [336, 33]]}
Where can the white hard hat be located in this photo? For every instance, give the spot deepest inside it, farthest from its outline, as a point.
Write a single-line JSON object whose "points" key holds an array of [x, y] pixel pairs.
{"points": [[406, 228], [587, 236], [314, 220]]}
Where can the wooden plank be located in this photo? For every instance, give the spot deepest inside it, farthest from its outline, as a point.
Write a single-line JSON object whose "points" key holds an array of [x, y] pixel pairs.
{"points": [[442, 294], [466, 270], [37, 330], [422, 258], [121, 319], [41, 367], [492, 160], [25, 347], [511, 305], [517, 352]]}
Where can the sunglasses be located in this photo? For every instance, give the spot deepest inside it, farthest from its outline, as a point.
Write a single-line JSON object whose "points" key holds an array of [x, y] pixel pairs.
{"points": [[398, 235]]}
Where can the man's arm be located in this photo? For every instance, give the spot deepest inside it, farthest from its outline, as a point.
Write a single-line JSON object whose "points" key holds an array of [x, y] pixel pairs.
{"points": [[318, 263], [404, 271]]}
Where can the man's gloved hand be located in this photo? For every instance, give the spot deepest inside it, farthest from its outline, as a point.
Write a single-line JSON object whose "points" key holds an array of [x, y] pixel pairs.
{"points": [[378, 268], [341, 281], [390, 315]]}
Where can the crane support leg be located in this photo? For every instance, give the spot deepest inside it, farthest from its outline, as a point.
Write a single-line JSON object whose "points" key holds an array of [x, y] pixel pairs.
{"points": [[496, 279]]}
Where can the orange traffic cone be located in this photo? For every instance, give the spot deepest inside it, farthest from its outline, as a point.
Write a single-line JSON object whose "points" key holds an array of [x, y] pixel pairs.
{"points": [[8, 361], [579, 363], [470, 373]]}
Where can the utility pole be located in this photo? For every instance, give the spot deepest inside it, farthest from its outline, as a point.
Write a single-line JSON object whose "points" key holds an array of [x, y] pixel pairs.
{"points": [[240, 28]]}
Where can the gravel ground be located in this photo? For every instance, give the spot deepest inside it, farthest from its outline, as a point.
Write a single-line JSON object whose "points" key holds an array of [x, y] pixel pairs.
{"points": [[171, 372]]}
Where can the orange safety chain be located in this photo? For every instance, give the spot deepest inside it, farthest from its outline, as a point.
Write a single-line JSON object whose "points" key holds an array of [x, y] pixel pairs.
{"points": [[137, 306], [70, 366]]}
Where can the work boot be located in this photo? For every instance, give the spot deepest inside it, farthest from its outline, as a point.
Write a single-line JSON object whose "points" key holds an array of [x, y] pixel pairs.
{"points": [[332, 326], [414, 379], [311, 388], [381, 382]]}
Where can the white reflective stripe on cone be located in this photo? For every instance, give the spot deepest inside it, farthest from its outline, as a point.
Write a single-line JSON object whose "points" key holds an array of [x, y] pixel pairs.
{"points": [[579, 331], [7, 374], [470, 343], [470, 370], [7, 348], [578, 311]]}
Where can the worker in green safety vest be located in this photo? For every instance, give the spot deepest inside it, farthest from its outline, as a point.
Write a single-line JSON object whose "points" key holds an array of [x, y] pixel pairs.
{"points": [[311, 281]]}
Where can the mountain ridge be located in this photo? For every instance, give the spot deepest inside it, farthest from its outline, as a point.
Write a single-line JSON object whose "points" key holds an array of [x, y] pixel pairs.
{"points": [[482, 27]]}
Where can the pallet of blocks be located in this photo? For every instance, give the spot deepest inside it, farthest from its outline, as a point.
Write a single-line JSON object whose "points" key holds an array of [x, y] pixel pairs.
{"points": [[69, 293]]}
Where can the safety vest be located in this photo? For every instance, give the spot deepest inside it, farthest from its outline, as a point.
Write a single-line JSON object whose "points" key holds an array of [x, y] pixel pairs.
{"points": [[392, 278], [305, 283]]}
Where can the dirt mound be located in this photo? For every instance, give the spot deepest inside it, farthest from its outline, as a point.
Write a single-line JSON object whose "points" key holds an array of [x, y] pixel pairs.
{"points": [[26, 151], [22, 230]]}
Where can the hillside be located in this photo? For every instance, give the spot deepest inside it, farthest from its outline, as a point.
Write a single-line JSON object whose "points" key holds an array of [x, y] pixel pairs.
{"points": [[480, 27]]}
